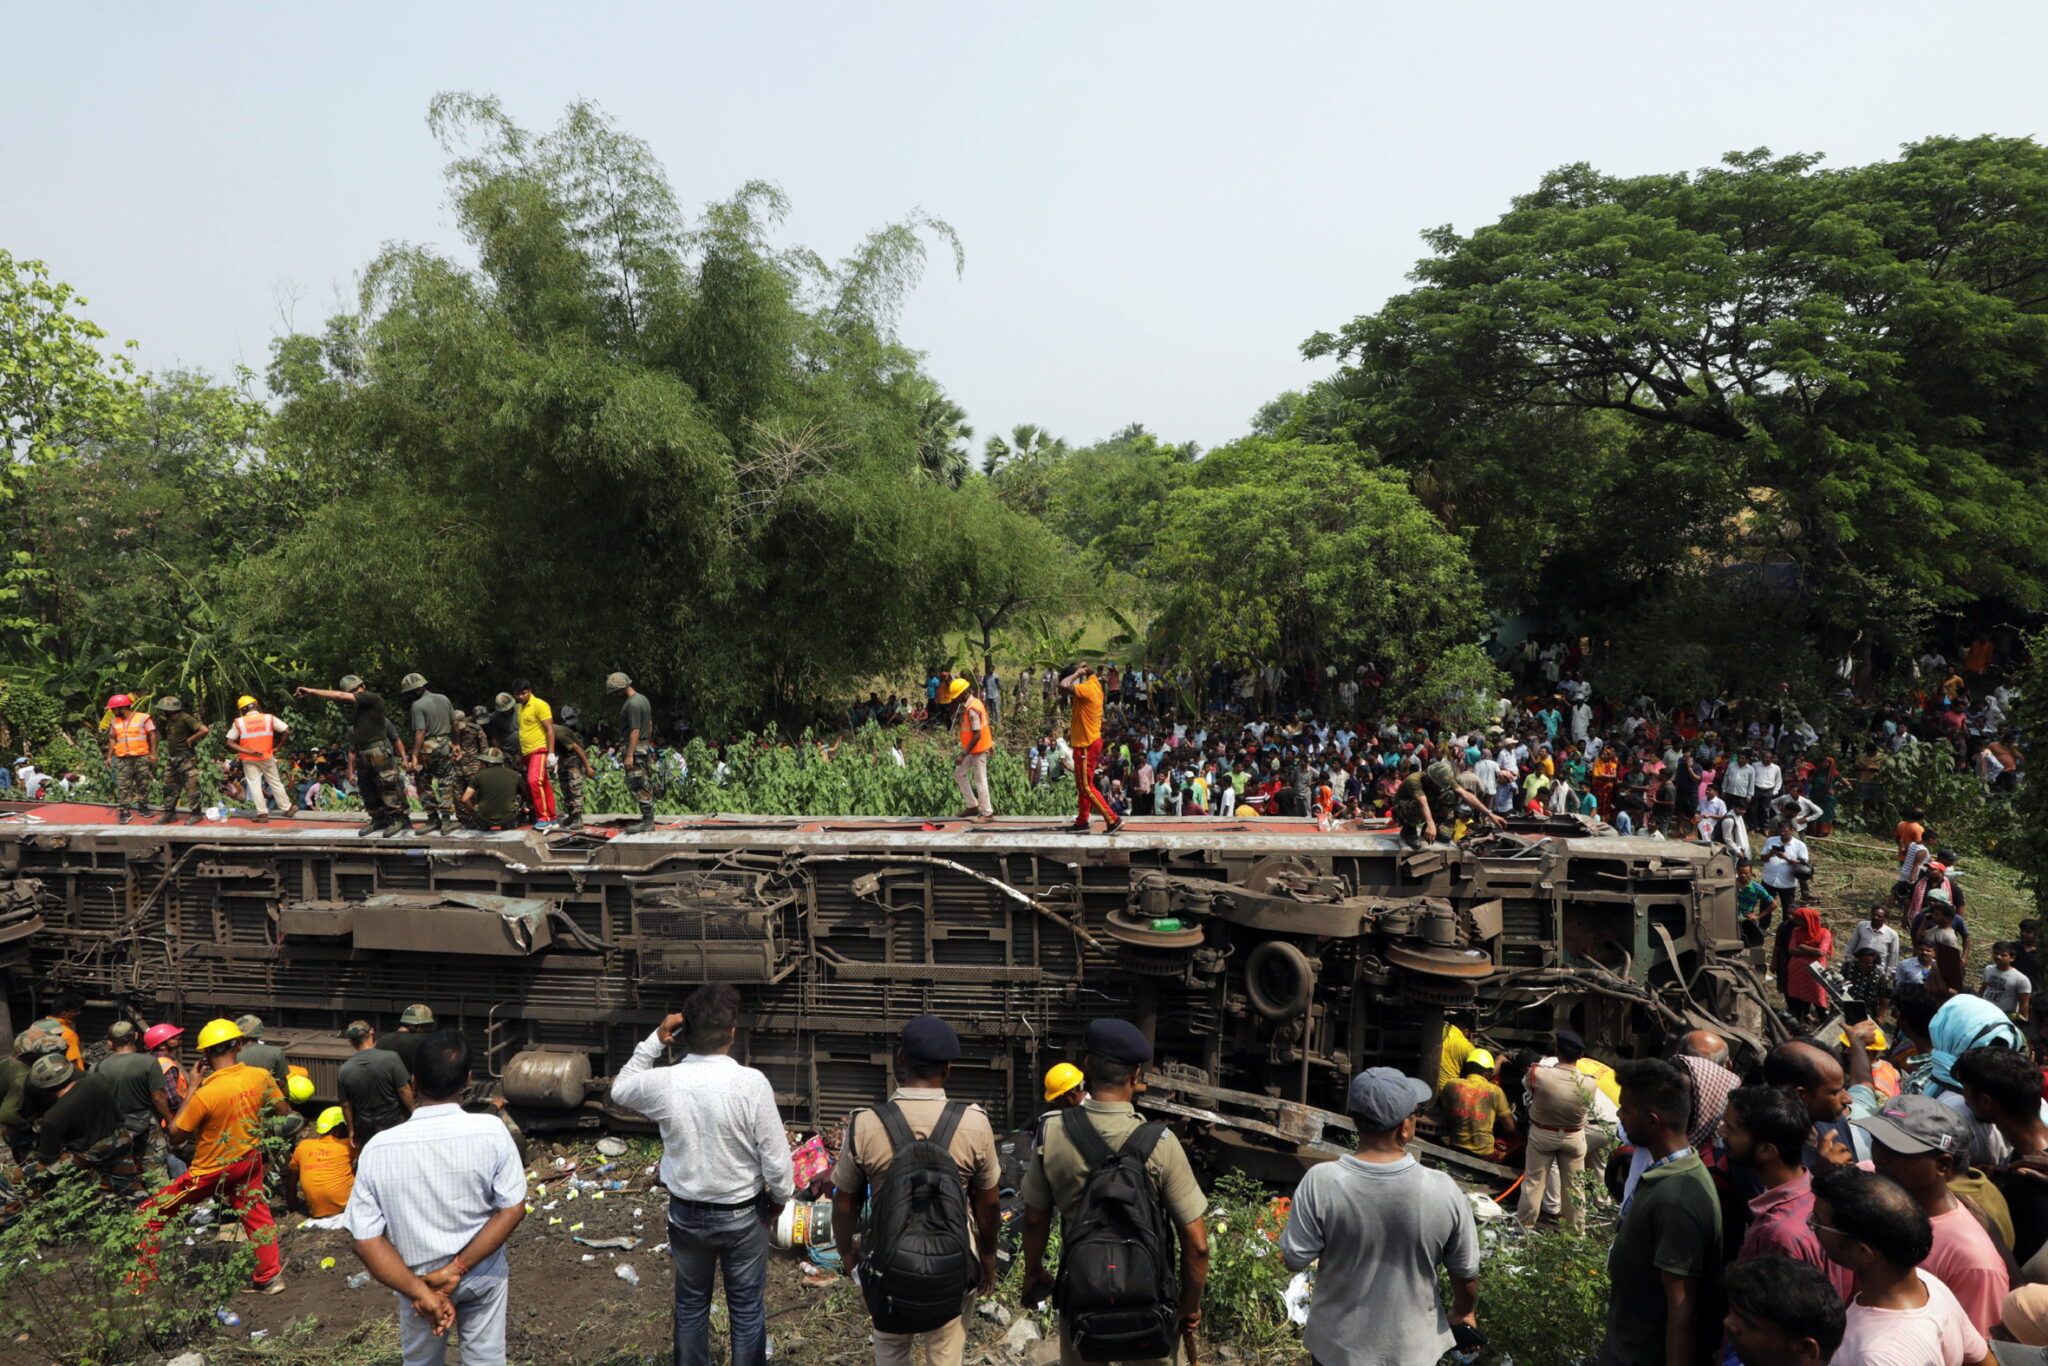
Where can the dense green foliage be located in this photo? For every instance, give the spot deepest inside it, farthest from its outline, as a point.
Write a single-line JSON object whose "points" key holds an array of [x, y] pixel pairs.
{"points": [[1626, 385]]}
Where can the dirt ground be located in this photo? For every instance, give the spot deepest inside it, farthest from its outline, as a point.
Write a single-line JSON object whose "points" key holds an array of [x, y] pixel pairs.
{"points": [[569, 1306]]}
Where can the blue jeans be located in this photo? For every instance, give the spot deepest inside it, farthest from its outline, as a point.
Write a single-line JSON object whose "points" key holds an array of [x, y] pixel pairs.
{"points": [[699, 1240]]}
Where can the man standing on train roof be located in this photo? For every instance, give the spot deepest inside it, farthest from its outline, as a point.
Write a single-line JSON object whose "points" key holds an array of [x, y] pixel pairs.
{"points": [[182, 732], [379, 773], [636, 747], [131, 754], [432, 719], [254, 738]]}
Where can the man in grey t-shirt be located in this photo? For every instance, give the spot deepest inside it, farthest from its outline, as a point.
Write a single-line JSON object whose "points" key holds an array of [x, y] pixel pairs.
{"points": [[2005, 986], [1382, 1224]]}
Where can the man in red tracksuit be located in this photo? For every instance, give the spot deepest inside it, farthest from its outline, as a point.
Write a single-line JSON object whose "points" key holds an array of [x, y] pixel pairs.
{"points": [[1084, 733]]}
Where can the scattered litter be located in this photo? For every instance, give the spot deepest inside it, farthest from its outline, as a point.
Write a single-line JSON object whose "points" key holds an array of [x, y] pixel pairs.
{"points": [[1299, 1292], [327, 1263], [815, 1275], [228, 1317], [626, 1273], [562, 1164], [1486, 1207], [551, 1204], [553, 1222], [332, 1221], [636, 1211], [612, 1147], [624, 1244], [259, 1334], [574, 1227], [994, 1312], [358, 1281], [1022, 1333], [588, 1257]]}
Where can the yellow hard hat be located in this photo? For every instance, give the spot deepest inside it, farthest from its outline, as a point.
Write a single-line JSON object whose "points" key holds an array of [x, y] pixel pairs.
{"points": [[1061, 1078], [1878, 1043], [953, 690], [1245, 813], [245, 701], [330, 1119], [218, 1032], [1482, 1057], [300, 1089]]}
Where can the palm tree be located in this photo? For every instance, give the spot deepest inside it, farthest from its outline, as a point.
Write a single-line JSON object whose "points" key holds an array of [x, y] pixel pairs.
{"points": [[942, 433], [1027, 441]]}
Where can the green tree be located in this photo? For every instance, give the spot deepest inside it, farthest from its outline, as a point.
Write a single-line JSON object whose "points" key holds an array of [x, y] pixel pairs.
{"points": [[1841, 371], [624, 439], [1283, 550], [1006, 566]]}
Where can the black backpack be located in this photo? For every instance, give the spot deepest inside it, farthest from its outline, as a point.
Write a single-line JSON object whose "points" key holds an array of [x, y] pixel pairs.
{"points": [[917, 1259], [1117, 1287]]}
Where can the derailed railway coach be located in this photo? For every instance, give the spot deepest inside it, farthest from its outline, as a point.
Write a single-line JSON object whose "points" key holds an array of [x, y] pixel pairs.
{"points": [[1268, 960]]}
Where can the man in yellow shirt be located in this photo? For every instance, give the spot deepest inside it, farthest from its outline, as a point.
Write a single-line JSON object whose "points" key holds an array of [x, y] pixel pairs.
{"points": [[323, 1167], [1084, 733], [536, 743], [223, 1124]]}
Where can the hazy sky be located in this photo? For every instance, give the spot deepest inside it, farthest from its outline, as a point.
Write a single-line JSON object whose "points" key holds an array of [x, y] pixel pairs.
{"points": [[1158, 202]]}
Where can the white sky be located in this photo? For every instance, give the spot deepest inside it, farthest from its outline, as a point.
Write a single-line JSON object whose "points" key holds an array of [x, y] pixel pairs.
{"points": [[1158, 202]]}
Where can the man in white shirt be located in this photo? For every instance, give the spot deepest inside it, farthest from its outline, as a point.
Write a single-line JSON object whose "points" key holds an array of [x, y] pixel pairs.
{"points": [[1874, 933], [254, 738], [725, 1162], [1785, 862], [1769, 778], [1739, 783], [434, 1200], [1582, 721]]}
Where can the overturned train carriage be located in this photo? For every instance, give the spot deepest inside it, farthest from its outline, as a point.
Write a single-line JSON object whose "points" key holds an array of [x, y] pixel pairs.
{"points": [[1268, 960]]}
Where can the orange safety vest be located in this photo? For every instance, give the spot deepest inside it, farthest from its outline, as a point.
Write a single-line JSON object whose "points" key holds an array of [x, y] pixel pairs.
{"points": [[131, 735], [970, 740], [258, 733]]}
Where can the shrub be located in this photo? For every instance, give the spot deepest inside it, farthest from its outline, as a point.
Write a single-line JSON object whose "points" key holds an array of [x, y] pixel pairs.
{"points": [[1543, 1293], [64, 1279]]}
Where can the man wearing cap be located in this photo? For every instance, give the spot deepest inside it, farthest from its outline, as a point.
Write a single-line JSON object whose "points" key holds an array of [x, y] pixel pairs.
{"points": [[470, 743], [1560, 1099], [536, 743], [725, 1162], [636, 746], [256, 1053], [131, 754], [1383, 1225], [277, 1134], [976, 740], [415, 1022], [433, 752], [17, 1119], [182, 732], [375, 1086], [83, 1123], [1664, 1268], [323, 1167], [924, 1057], [1117, 1052], [139, 1098], [379, 773], [493, 793], [254, 738], [223, 1125], [1920, 1143]]}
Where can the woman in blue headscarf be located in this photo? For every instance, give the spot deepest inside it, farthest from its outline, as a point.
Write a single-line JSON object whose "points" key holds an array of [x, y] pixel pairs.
{"points": [[1963, 1023]]}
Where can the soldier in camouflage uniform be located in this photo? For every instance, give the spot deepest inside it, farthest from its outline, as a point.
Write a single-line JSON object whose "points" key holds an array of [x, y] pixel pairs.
{"points": [[182, 732], [470, 744], [131, 754], [572, 766], [433, 753], [636, 747], [109, 1156]]}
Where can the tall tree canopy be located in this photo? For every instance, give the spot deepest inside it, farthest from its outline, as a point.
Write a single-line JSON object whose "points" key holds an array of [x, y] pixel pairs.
{"points": [[1766, 361], [624, 438]]}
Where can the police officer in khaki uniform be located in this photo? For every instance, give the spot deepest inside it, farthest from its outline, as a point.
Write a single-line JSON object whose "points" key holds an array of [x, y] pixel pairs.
{"points": [[1114, 1065], [924, 1057]]}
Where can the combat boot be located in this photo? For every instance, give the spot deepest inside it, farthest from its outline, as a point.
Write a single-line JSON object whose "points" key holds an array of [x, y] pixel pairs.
{"points": [[573, 823], [641, 826], [121, 816], [370, 827], [400, 825], [195, 818], [170, 815]]}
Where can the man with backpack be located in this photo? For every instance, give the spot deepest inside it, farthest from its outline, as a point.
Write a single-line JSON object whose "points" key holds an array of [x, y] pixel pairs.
{"points": [[928, 1170], [1125, 1193]]}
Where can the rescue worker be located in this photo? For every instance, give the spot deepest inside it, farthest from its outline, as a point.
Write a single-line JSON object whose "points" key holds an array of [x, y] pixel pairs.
{"points": [[17, 1115], [636, 747], [375, 1085], [572, 766], [182, 732], [433, 753], [254, 738], [976, 740], [65, 1013], [83, 1125], [470, 743], [223, 1123], [276, 1133], [140, 1099], [131, 754], [415, 1022], [323, 1167], [494, 793], [536, 744], [1426, 801], [379, 774], [503, 730]]}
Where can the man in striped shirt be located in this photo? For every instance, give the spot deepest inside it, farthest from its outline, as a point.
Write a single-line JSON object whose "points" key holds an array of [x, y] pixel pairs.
{"points": [[435, 1199]]}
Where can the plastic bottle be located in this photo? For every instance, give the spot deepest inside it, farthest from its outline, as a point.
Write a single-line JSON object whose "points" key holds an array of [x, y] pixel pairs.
{"points": [[228, 1317], [358, 1281]]}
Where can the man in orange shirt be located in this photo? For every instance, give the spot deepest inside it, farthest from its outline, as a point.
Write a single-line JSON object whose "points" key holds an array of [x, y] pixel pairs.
{"points": [[223, 1123], [323, 1168], [971, 772], [1084, 733]]}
